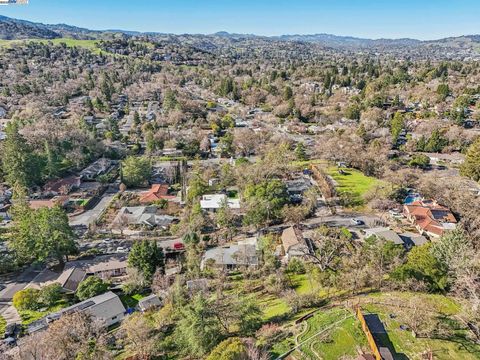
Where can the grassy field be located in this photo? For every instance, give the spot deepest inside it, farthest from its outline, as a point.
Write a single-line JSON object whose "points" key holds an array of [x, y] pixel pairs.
{"points": [[337, 333], [329, 334], [86, 44], [404, 345], [353, 184]]}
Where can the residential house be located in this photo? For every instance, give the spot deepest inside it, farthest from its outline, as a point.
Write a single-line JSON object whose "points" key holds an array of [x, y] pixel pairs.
{"points": [[294, 244], [61, 201], [297, 187], [106, 308], [104, 266], [149, 302], [99, 167], [142, 216], [429, 217], [170, 152], [69, 279], [384, 233], [215, 201], [411, 239], [156, 193], [232, 256], [61, 186], [455, 158]]}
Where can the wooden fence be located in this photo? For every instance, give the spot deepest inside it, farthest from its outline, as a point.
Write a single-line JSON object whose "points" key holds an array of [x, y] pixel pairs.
{"points": [[324, 182], [368, 334]]}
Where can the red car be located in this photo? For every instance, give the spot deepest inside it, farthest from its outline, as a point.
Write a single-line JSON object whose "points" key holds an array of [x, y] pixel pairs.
{"points": [[178, 246]]}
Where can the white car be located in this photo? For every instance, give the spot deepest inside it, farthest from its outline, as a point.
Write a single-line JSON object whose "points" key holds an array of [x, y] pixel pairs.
{"points": [[122, 250], [395, 213], [357, 222]]}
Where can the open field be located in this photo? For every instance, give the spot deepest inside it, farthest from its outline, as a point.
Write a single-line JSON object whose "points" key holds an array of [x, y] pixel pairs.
{"points": [[86, 44], [337, 332], [453, 344], [329, 334], [353, 183]]}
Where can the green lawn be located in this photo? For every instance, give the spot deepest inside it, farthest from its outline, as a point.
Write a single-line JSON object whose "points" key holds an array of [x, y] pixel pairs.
{"points": [[353, 184], [330, 334], [29, 316], [273, 307], [454, 346], [346, 336], [131, 301]]}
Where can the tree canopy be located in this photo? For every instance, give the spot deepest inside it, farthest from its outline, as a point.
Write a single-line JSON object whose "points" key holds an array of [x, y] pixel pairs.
{"points": [[136, 171], [146, 257]]}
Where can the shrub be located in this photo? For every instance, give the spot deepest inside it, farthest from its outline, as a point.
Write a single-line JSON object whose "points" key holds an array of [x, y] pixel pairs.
{"points": [[27, 299], [230, 349], [50, 294], [295, 266], [90, 287]]}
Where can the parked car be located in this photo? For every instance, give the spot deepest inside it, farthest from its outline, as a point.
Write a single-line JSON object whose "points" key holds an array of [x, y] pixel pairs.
{"points": [[357, 222], [395, 213], [178, 246], [122, 249]]}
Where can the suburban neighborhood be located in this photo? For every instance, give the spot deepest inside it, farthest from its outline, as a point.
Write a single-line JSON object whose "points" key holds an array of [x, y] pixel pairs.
{"points": [[237, 197]]}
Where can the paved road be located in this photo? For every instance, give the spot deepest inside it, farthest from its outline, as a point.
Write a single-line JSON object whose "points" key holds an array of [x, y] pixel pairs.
{"points": [[90, 216], [15, 282], [343, 220]]}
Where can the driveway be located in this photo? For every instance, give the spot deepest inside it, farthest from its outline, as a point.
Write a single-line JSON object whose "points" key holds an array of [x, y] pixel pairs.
{"points": [[90, 216]]}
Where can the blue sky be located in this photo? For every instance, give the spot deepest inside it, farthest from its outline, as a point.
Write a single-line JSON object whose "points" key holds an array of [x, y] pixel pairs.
{"points": [[421, 19]]}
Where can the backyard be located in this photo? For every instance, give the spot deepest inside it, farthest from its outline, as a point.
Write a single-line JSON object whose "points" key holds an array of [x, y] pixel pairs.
{"points": [[352, 184], [334, 331]]}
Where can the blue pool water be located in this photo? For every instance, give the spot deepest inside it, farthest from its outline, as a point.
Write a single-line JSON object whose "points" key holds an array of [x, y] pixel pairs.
{"points": [[411, 198]]}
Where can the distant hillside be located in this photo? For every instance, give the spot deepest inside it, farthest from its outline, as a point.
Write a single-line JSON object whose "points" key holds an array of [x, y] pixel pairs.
{"points": [[13, 29], [334, 40], [462, 47]]}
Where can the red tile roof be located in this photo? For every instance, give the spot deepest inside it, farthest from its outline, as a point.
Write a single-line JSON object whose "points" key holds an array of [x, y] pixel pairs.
{"points": [[429, 216], [157, 192]]}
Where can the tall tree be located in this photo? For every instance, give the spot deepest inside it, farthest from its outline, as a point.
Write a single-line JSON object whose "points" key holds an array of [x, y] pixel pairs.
{"points": [[198, 328], [42, 234], [471, 166], [19, 163], [146, 257], [136, 170], [90, 287], [396, 126]]}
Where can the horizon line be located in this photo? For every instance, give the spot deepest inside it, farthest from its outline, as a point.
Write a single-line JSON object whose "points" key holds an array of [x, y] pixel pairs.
{"points": [[125, 31]]}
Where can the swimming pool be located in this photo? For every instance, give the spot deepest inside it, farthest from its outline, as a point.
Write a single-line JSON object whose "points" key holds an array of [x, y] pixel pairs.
{"points": [[411, 198]]}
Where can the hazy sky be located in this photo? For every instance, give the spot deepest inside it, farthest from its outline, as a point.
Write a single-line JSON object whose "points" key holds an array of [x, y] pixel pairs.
{"points": [[421, 19]]}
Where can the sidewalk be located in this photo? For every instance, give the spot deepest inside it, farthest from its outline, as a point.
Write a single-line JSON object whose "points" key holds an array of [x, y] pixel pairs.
{"points": [[9, 313]]}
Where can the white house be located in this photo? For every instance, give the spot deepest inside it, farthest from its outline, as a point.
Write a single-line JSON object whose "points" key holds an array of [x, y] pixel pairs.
{"points": [[215, 201]]}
